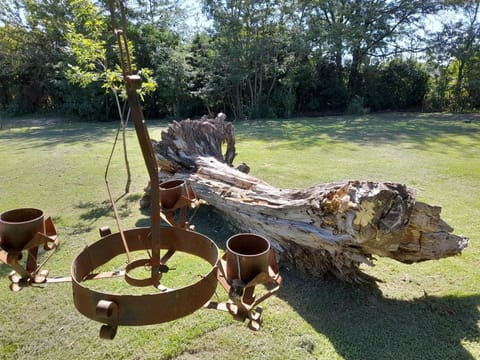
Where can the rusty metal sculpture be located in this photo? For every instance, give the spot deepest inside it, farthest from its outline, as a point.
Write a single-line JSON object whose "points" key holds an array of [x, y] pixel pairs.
{"points": [[26, 229], [165, 305], [249, 260], [175, 199], [170, 201]]}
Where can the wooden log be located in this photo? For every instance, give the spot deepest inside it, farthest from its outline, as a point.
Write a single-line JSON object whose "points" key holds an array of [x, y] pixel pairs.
{"points": [[328, 228]]}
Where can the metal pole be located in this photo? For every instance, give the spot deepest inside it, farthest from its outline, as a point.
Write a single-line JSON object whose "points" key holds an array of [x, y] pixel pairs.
{"points": [[133, 83]]}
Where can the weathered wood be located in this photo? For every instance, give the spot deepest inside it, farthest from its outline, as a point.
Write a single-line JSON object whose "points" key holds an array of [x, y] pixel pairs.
{"points": [[328, 228]]}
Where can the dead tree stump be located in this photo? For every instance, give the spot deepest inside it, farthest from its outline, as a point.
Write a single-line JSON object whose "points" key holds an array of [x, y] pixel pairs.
{"points": [[328, 228]]}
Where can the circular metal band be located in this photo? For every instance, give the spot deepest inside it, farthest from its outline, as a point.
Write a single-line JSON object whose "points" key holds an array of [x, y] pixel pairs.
{"points": [[134, 281], [151, 308]]}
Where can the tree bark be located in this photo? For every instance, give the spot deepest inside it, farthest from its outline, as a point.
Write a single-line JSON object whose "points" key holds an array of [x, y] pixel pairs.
{"points": [[328, 228]]}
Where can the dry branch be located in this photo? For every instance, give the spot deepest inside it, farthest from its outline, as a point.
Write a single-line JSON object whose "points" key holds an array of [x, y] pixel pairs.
{"points": [[328, 228]]}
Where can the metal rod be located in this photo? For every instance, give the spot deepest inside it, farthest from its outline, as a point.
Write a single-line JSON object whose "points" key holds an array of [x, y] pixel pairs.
{"points": [[133, 83], [151, 164]]}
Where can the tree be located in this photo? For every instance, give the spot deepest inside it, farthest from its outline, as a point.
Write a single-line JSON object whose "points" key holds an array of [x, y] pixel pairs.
{"points": [[157, 32], [87, 40], [396, 85], [253, 47], [31, 54], [267, 58], [359, 30], [457, 48]]}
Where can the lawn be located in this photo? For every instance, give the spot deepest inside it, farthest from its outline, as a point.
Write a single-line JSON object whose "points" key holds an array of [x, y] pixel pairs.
{"points": [[428, 310]]}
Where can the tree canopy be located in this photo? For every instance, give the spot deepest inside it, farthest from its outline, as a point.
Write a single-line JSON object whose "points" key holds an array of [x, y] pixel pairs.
{"points": [[250, 59]]}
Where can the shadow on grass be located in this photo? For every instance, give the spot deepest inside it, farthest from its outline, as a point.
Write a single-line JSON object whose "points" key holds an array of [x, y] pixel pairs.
{"points": [[207, 221], [299, 133], [369, 129], [95, 210], [53, 135], [39, 132], [5, 270], [358, 320], [362, 324]]}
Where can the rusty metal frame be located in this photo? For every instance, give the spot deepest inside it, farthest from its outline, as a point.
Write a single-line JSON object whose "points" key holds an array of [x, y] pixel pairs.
{"points": [[182, 197], [243, 303], [30, 273], [164, 304], [170, 304], [133, 83]]}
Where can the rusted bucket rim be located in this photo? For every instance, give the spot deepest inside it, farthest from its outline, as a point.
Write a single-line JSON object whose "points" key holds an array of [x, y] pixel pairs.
{"points": [[248, 245], [172, 184], [21, 216]]}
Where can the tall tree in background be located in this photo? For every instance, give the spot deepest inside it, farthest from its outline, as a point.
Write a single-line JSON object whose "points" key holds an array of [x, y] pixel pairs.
{"points": [[252, 41], [360, 29], [31, 55], [166, 14], [258, 53], [157, 35], [260, 58], [456, 50], [203, 85], [396, 85]]}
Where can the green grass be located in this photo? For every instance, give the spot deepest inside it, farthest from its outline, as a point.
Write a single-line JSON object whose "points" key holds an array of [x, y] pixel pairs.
{"points": [[428, 310]]}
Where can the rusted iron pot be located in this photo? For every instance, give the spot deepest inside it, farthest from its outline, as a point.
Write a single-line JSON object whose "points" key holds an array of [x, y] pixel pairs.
{"points": [[19, 226], [170, 192], [247, 256]]}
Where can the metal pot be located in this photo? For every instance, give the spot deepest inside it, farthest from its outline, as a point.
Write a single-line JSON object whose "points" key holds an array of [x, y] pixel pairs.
{"points": [[19, 226], [247, 256]]}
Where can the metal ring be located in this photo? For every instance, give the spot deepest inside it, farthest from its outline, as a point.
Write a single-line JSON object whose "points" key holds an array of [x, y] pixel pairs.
{"points": [[135, 281], [151, 308]]}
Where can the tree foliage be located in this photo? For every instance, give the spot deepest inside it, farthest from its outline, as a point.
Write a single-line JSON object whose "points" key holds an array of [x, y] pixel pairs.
{"points": [[88, 37], [396, 85], [455, 51], [253, 59], [30, 55]]}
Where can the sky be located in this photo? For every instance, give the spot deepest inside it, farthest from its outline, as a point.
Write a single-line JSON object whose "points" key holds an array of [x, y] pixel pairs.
{"points": [[197, 20]]}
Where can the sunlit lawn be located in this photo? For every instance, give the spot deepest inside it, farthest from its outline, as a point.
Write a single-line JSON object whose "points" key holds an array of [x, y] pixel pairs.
{"points": [[422, 311]]}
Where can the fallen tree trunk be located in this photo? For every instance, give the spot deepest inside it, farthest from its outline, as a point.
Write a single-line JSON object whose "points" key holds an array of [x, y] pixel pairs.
{"points": [[328, 228]]}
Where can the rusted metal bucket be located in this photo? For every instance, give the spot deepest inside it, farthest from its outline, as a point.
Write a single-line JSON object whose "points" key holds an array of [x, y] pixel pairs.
{"points": [[19, 226], [171, 191], [247, 256]]}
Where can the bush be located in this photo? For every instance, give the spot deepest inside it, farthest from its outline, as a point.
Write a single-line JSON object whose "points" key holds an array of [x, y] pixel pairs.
{"points": [[356, 106], [397, 85]]}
